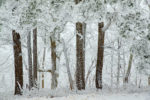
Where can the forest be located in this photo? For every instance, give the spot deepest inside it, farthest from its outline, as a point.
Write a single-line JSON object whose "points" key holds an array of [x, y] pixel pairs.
{"points": [[74, 49]]}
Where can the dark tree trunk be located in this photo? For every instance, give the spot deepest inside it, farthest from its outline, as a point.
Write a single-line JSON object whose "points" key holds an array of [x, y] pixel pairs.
{"points": [[77, 1], [53, 56], [30, 60], [35, 56], [100, 56], [80, 56], [17, 63]]}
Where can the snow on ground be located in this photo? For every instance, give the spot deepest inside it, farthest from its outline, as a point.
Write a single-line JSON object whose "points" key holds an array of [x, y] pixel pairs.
{"points": [[89, 94]]}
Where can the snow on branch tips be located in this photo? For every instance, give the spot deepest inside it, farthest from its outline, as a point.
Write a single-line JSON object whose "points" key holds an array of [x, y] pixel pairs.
{"points": [[112, 19]]}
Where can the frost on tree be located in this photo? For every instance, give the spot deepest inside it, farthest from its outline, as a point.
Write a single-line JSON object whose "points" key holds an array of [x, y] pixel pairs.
{"points": [[100, 56], [17, 63], [80, 56]]}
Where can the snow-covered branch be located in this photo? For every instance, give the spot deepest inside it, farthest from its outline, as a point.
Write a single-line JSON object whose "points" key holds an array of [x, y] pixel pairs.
{"points": [[113, 18]]}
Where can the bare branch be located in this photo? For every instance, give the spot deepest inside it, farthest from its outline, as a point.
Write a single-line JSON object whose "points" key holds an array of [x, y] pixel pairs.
{"points": [[113, 18]]}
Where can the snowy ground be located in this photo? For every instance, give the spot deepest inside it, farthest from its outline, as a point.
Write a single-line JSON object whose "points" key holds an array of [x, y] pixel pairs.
{"points": [[90, 94]]}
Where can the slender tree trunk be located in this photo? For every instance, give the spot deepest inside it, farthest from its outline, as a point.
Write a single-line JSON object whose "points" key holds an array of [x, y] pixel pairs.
{"points": [[119, 66], [35, 56], [112, 60], [17, 63], [43, 63], [53, 57], [30, 61], [80, 56], [67, 65], [129, 69], [100, 56], [124, 65]]}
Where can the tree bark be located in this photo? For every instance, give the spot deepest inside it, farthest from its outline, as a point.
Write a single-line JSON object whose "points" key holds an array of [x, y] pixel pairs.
{"points": [[30, 60], [35, 56], [129, 69], [100, 56], [17, 63], [53, 57], [80, 56]]}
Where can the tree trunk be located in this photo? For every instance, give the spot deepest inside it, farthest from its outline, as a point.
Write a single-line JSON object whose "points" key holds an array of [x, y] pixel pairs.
{"points": [[80, 54], [17, 63], [35, 56], [112, 64], [67, 65], [119, 66], [129, 69], [53, 57], [100, 56], [43, 63], [30, 60]]}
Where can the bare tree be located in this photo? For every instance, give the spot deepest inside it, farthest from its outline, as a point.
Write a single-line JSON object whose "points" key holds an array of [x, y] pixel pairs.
{"points": [[100, 56], [35, 56], [30, 60], [17, 63]]}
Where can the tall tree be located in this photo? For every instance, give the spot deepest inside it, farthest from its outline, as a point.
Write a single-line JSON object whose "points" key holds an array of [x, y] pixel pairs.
{"points": [[80, 53], [30, 60], [17, 63], [100, 56], [35, 56]]}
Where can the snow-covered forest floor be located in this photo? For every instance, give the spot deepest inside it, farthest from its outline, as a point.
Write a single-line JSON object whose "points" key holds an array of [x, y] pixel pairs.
{"points": [[130, 93]]}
